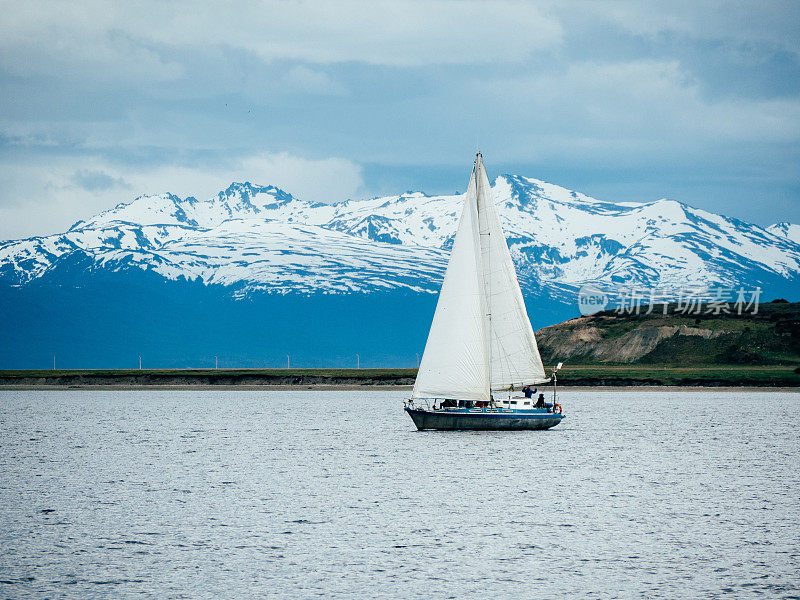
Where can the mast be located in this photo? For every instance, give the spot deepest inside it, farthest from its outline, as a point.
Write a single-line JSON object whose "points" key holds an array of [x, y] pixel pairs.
{"points": [[487, 283]]}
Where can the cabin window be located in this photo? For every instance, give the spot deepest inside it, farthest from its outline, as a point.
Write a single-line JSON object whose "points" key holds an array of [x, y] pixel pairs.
{"points": [[513, 402], [527, 404]]}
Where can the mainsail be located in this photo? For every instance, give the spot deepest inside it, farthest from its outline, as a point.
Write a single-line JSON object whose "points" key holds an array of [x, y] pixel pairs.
{"points": [[514, 356], [481, 338]]}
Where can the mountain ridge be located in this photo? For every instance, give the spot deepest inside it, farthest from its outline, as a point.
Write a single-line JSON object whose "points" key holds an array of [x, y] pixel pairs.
{"points": [[560, 240]]}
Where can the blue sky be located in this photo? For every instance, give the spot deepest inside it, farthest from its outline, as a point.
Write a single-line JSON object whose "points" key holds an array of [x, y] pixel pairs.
{"points": [[104, 101]]}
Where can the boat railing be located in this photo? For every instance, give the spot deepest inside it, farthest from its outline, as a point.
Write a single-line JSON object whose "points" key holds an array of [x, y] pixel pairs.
{"points": [[434, 404]]}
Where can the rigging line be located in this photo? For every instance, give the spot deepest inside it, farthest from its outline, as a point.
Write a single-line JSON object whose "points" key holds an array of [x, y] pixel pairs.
{"points": [[508, 364]]}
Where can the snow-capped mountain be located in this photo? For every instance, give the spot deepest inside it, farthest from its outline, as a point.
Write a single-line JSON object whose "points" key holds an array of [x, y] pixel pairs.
{"points": [[254, 274], [787, 230], [262, 239], [249, 237]]}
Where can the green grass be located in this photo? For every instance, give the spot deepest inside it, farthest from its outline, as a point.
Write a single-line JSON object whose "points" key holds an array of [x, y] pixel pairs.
{"points": [[571, 374], [207, 372], [734, 375]]}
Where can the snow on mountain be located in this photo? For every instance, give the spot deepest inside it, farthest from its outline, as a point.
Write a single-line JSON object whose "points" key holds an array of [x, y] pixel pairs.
{"points": [[276, 256], [255, 255], [790, 231], [259, 238]]}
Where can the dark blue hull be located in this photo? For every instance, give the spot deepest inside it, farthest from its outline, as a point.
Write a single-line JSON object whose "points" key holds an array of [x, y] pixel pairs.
{"points": [[483, 420]]}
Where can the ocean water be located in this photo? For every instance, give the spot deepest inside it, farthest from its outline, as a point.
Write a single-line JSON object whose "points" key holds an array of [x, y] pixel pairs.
{"points": [[219, 494]]}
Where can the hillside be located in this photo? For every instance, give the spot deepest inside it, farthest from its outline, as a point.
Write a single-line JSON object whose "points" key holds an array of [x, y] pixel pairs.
{"points": [[770, 337]]}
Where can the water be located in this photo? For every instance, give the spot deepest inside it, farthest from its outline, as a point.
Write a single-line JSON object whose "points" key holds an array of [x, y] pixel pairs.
{"points": [[217, 494]]}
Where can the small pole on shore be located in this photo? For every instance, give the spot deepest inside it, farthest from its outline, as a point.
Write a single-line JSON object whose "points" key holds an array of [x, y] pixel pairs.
{"points": [[418, 360], [358, 361], [140, 363], [287, 361], [216, 362], [54, 362]]}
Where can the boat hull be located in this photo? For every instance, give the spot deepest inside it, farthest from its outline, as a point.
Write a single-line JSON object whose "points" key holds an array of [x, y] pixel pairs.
{"points": [[482, 421]]}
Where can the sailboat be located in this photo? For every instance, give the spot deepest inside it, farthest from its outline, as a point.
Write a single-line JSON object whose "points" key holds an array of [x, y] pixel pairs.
{"points": [[481, 349]]}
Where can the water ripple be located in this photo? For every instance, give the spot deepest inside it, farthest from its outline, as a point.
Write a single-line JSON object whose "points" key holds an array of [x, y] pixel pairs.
{"points": [[211, 494]]}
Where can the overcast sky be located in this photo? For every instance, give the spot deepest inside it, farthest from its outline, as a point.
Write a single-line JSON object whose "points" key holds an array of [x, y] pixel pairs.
{"points": [[104, 101]]}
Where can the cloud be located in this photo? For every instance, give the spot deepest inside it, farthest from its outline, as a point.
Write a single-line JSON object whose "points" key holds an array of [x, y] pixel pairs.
{"points": [[627, 111], [47, 196], [114, 39], [303, 79], [776, 23], [93, 181], [77, 41]]}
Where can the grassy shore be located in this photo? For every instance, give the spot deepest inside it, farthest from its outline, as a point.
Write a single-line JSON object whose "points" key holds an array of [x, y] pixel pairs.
{"points": [[570, 375], [714, 375], [207, 377]]}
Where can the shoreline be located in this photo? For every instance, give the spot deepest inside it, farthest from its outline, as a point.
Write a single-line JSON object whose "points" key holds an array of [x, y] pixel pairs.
{"points": [[575, 377]]}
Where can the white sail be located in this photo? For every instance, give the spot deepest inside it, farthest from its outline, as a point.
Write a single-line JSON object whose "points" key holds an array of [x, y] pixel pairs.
{"points": [[514, 355], [455, 363], [481, 339]]}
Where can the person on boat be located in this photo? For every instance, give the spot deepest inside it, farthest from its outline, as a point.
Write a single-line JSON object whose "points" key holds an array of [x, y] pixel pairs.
{"points": [[540, 401], [528, 391]]}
